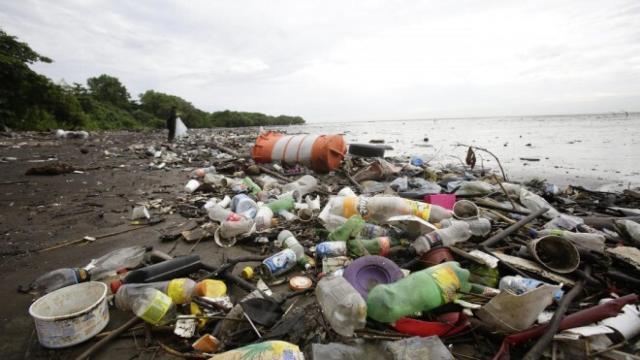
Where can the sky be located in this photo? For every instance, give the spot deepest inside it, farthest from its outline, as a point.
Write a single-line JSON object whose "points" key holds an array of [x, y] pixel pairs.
{"points": [[348, 60]]}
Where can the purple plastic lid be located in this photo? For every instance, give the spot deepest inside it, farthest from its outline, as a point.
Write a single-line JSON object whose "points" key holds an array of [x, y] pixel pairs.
{"points": [[368, 271]]}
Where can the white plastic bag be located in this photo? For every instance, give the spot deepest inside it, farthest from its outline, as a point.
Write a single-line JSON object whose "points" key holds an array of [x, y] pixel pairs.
{"points": [[181, 128]]}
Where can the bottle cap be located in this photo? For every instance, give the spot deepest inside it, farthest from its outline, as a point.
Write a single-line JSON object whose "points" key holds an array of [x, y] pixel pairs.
{"points": [[247, 272], [299, 283], [211, 288], [115, 285], [83, 275]]}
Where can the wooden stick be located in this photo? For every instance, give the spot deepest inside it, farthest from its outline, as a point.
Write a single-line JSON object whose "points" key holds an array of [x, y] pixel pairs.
{"points": [[513, 205], [511, 229], [273, 173], [115, 333], [72, 242]]}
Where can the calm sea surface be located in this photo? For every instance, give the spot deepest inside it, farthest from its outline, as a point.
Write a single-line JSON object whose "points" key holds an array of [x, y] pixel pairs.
{"points": [[598, 151]]}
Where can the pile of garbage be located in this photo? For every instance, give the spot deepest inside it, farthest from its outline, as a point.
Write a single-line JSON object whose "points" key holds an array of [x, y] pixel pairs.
{"points": [[358, 255]]}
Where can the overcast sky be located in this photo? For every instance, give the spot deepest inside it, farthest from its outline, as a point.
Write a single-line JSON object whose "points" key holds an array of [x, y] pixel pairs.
{"points": [[345, 61]]}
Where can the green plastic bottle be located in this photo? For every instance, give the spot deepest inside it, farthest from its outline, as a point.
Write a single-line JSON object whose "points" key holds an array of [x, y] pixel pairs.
{"points": [[350, 229], [378, 246], [285, 203], [251, 186], [421, 291]]}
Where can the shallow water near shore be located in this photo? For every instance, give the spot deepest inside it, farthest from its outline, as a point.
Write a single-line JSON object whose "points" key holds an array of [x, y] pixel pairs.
{"points": [[596, 151]]}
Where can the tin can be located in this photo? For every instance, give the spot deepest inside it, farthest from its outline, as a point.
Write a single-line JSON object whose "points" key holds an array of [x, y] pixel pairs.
{"points": [[279, 263], [330, 249]]}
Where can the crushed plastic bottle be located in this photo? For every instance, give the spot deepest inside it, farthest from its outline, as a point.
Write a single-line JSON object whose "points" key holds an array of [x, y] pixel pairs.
{"points": [[243, 205], [341, 304]]}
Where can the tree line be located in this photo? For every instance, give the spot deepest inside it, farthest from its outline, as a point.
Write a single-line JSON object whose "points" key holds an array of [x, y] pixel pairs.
{"points": [[31, 101]]}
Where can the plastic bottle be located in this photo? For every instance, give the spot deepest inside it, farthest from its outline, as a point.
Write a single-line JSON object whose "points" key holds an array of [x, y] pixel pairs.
{"points": [[57, 279], [457, 232], [243, 205], [289, 241], [330, 249], [153, 306], [165, 270], [348, 230], [420, 291], [477, 227], [264, 218], [202, 172], [520, 285], [180, 291], [380, 208], [377, 246], [284, 203], [218, 213], [302, 186], [341, 304], [588, 241], [124, 258], [251, 186]]}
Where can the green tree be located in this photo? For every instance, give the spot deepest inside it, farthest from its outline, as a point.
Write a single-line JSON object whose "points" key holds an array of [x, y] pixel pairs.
{"points": [[109, 89]]}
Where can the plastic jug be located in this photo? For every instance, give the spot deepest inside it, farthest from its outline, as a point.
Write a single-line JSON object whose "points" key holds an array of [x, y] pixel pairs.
{"points": [[421, 291], [341, 304], [243, 205]]}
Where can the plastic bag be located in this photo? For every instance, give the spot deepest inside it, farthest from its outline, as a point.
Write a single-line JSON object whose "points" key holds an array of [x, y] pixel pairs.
{"points": [[181, 128]]}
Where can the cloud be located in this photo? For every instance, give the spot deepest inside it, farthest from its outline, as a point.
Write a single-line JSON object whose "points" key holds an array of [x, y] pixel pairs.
{"points": [[337, 60]]}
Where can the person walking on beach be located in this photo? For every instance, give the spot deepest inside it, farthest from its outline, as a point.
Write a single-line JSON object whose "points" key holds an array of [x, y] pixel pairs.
{"points": [[171, 123]]}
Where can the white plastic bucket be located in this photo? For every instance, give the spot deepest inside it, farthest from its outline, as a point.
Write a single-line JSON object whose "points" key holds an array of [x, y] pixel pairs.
{"points": [[71, 315]]}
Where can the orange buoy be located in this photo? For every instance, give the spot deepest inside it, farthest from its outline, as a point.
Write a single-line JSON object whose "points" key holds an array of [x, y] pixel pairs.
{"points": [[321, 153]]}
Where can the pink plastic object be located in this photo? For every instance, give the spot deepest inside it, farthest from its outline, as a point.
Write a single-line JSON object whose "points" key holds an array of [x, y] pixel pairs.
{"points": [[444, 200]]}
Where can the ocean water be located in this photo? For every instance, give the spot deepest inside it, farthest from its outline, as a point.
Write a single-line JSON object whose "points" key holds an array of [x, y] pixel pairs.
{"points": [[597, 151]]}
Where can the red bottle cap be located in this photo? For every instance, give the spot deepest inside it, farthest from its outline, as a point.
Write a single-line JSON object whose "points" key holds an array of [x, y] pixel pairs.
{"points": [[115, 285]]}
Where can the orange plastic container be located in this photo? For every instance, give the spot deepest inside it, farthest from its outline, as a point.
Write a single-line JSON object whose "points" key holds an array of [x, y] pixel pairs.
{"points": [[321, 153]]}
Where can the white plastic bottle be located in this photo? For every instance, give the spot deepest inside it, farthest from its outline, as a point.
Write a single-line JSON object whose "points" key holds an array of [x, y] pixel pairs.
{"points": [[478, 227], [457, 232], [341, 304]]}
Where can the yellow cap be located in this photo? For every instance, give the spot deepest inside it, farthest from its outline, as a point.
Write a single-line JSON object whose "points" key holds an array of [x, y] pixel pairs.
{"points": [[211, 288], [247, 272], [194, 309]]}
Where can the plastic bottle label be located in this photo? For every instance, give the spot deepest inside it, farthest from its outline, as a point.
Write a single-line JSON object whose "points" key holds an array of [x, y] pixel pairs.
{"points": [[349, 207], [157, 308], [421, 210], [556, 232], [448, 282], [176, 292]]}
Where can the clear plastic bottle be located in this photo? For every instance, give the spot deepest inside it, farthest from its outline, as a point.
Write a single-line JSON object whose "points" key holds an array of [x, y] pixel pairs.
{"points": [[520, 285], [588, 241], [458, 232], [124, 258], [341, 304], [153, 306], [57, 279], [302, 186], [180, 291], [290, 242], [243, 205], [202, 172], [477, 227]]}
